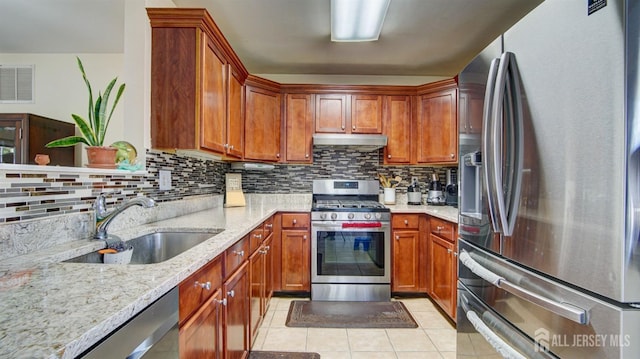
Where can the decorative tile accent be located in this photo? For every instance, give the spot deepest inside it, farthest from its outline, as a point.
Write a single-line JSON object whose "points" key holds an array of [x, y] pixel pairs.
{"points": [[25, 196]]}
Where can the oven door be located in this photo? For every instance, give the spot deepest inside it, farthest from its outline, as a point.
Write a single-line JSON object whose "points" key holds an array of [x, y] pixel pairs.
{"points": [[350, 252]]}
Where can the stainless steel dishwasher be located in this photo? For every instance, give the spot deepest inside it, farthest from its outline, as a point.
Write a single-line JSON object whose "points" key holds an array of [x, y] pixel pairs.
{"points": [[152, 333]]}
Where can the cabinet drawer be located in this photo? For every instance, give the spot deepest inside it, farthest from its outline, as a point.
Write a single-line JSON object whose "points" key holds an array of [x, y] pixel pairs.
{"points": [[255, 238], [442, 228], [236, 255], [197, 288], [295, 220], [405, 221]]}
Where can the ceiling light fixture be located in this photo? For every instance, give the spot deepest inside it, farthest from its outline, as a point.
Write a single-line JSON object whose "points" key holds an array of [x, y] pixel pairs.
{"points": [[357, 20]]}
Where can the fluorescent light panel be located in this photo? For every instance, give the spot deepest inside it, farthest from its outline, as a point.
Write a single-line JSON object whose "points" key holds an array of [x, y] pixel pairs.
{"points": [[357, 20]]}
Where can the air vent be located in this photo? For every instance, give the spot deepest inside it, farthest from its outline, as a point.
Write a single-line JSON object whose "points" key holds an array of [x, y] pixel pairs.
{"points": [[16, 83]]}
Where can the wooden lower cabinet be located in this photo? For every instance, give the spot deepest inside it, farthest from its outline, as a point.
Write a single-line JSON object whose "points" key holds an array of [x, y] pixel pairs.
{"points": [[443, 267], [201, 336], [292, 253], [408, 254], [236, 314]]}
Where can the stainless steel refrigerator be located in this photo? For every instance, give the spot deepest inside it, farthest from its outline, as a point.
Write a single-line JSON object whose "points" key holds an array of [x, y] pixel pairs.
{"points": [[549, 229]]}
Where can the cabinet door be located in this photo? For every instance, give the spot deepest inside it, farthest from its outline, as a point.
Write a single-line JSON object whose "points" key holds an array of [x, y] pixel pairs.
{"points": [[471, 98], [406, 261], [262, 125], [213, 112], [201, 336], [235, 115], [437, 127], [331, 113], [296, 259], [441, 267], [397, 127], [268, 274], [366, 114], [236, 318], [256, 292], [299, 127]]}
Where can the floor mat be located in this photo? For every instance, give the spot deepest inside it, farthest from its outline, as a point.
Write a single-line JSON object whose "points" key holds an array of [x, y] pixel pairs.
{"points": [[325, 314], [284, 355]]}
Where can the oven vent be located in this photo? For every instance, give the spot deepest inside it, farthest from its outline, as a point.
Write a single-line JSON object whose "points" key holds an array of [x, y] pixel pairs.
{"points": [[16, 83]]}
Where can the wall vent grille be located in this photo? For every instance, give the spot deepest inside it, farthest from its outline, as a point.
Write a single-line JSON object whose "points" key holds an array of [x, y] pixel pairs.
{"points": [[16, 83]]}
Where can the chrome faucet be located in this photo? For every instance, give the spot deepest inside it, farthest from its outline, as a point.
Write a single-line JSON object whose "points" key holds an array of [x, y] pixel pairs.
{"points": [[104, 218]]}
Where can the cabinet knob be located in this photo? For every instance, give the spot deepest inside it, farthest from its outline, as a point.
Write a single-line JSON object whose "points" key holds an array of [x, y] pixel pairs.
{"points": [[231, 147], [277, 155], [258, 236], [295, 221], [389, 156], [267, 248], [231, 293], [449, 251], [206, 285], [343, 127], [453, 155], [354, 127], [222, 302], [226, 145], [304, 237], [397, 237], [406, 222], [439, 228], [269, 225], [306, 155], [239, 253]]}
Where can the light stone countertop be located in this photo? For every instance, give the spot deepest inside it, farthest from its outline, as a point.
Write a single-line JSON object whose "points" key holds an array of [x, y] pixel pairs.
{"points": [[58, 310]]}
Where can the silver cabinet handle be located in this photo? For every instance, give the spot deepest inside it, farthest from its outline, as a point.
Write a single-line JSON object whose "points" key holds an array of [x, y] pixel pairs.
{"points": [[397, 237], [206, 285], [406, 222], [222, 302], [306, 155], [389, 156], [295, 221], [567, 310], [304, 237], [269, 225], [453, 156], [267, 248], [239, 253], [449, 251], [439, 228], [231, 293], [258, 236], [354, 127]]}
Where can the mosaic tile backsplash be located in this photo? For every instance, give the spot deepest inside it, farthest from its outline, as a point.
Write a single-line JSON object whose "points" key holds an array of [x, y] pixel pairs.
{"points": [[32, 195]]}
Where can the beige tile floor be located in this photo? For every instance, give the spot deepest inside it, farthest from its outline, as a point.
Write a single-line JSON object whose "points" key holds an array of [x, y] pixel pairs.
{"points": [[434, 338]]}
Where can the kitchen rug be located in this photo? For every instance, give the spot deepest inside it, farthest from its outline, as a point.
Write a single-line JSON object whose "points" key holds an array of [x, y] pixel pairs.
{"points": [[327, 314], [283, 355]]}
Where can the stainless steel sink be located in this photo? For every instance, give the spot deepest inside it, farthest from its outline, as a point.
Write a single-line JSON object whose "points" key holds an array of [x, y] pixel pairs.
{"points": [[154, 247]]}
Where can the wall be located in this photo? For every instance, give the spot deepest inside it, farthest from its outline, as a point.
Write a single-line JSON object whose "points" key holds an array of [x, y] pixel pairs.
{"points": [[31, 195]]}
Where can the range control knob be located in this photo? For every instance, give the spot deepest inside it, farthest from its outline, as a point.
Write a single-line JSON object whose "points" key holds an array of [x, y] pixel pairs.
{"points": [[323, 216], [367, 216], [334, 216], [378, 216], [350, 215]]}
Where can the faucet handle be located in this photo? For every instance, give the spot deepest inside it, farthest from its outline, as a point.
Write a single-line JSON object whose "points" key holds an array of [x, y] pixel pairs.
{"points": [[100, 206]]}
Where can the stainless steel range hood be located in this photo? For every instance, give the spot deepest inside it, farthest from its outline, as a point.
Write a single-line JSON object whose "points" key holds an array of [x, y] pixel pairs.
{"points": [[358, 142]]}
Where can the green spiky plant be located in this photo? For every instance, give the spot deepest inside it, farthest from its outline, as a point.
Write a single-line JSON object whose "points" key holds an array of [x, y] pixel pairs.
{"points": [[93, 130]]}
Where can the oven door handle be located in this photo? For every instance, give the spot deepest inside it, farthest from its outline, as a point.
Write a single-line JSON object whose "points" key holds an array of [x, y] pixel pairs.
{"points": [[333, 226], [361, 224]]}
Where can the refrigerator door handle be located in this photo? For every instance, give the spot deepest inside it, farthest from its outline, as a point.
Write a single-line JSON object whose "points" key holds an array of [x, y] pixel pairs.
{"points": [[507, 105], [566, 310], [488, 145], [492, 338]]}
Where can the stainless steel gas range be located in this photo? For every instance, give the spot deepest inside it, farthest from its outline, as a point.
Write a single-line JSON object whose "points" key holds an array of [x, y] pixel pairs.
{"points": [[350, 248]]}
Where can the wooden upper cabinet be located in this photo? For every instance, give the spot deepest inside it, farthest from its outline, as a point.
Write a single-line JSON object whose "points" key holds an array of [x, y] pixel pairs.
{"points": [[348, 113], [299, 128], [366, 114], [471, 108], [397, 127], [331, 113], [235, 114], [213, 110], [437, 127], [196, 99], [262, 124]]}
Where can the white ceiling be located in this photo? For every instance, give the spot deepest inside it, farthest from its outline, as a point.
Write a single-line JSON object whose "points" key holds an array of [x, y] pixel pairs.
{"points": [[419, 37]]}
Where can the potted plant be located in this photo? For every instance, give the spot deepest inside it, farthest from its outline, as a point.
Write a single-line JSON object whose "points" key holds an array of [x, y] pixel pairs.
{"points": [[94, 128]]}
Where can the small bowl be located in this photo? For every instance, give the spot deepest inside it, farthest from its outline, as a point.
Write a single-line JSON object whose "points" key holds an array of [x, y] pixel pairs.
{"points": [[123, 257]]}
